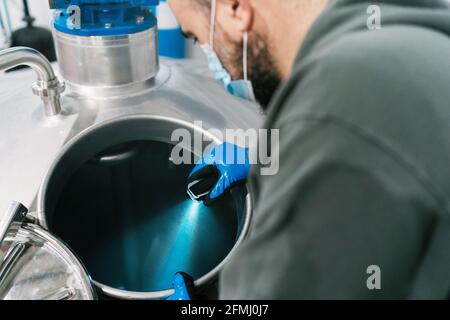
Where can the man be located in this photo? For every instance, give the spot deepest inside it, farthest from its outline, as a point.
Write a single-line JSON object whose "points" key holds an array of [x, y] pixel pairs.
{"points": [[360, 204]]}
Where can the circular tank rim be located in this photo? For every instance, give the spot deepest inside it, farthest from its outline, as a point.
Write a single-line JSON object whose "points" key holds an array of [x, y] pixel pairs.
{"points": [[134, 295]]}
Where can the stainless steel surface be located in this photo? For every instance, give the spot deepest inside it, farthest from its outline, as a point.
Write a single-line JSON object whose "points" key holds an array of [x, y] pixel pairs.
{"points": [[65, 293], [87, 145], [108, 62], [11, 258], [120, 92], [118, 155], [16, 212], [39, 267], [181, 91], [47, 87]]}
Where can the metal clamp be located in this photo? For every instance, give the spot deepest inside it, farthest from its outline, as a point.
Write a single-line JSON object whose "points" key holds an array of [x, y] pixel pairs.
{"points": [[16, 212], [11, 258], [48, 87], [50, 93]]}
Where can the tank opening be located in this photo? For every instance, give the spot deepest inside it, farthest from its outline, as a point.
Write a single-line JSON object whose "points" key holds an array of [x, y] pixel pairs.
{"points": [[130, 221]]}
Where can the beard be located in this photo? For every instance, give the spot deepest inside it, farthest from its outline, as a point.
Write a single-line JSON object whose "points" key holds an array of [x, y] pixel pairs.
{"points": [[262, 70]]}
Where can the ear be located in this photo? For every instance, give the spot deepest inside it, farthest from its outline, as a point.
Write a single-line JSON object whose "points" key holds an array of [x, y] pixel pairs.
{"points": [[235, 16], [244, 14]]}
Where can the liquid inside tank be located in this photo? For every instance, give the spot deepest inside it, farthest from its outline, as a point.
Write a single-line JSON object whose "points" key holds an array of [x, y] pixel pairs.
{"points": [[132, 224]]}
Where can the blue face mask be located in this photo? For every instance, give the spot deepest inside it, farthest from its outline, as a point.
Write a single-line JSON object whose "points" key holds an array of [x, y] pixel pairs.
{"points": [[239, 88]]}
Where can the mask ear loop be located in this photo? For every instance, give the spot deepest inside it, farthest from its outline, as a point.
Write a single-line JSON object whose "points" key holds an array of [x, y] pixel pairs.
{"points": [[212, 26], [244, 56]]}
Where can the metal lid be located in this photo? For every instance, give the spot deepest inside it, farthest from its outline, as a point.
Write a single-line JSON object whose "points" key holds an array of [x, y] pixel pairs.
{"points": [[34, 265]]}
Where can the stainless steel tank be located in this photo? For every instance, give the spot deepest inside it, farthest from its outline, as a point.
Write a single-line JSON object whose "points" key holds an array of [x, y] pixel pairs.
{"points": [[98, 175]]}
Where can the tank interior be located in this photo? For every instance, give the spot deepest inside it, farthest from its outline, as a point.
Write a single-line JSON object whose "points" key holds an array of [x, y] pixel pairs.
{"points": [[126, 214]]}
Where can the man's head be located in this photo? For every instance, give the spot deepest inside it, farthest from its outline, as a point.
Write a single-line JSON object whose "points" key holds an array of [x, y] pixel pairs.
{"points": [[276, 29], [233, 19]]}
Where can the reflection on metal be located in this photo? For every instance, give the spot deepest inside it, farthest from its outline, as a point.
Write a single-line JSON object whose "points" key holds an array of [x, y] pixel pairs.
{"points": [[47, 87], [39, 265], [10, 259]]}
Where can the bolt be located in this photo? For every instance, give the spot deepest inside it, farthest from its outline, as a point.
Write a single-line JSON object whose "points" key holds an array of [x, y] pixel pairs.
{"points": [[108, 25], [140, 19]]}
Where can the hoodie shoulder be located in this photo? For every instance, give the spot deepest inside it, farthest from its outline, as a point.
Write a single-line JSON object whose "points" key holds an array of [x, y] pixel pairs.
{"points": [[365, 72], [391, 85]]}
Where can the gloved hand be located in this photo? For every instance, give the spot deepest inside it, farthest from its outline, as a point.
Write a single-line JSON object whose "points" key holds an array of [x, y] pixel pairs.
{"points": [[224, 171], [183, 285]]}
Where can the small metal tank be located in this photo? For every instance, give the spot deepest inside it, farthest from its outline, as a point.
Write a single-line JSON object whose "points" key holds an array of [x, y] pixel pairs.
{"points": [[98, 175]]}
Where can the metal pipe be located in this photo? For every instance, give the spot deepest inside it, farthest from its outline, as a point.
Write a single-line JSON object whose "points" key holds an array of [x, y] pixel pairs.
{"points": [[13, 57], [48, 87]]}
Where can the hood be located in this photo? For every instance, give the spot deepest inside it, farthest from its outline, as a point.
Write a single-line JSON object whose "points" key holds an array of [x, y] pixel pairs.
{"points": [[346, 16]]}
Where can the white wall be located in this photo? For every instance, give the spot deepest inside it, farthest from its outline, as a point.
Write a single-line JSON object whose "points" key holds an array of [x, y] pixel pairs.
{"points": [[38, 8]]}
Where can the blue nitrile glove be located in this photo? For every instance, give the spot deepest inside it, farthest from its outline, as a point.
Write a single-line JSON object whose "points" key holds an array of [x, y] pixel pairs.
{"points": [[225, 172], [183, 285]]}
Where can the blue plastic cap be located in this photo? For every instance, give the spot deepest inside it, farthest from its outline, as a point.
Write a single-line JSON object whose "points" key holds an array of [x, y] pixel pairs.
{"points": [[64, 4], [103, 17]]}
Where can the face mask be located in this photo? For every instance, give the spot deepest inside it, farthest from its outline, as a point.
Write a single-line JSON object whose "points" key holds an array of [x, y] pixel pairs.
{"points": [[239, 88]]}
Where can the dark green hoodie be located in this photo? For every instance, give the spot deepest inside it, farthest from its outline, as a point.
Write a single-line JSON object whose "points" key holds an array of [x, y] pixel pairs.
{"points": [[364, 175]]}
